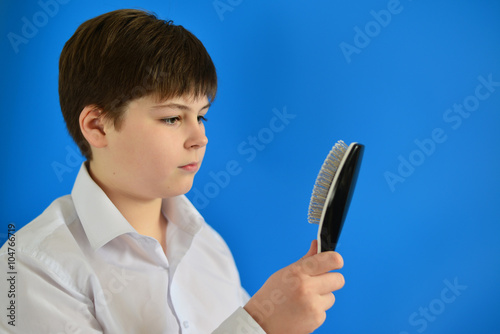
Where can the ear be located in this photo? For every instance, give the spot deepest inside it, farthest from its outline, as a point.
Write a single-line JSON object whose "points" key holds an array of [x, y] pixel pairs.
{"points": [[92, 126]]}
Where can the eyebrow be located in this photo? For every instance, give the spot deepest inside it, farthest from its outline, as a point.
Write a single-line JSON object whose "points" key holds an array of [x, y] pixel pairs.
{"points": [[178, 106]]}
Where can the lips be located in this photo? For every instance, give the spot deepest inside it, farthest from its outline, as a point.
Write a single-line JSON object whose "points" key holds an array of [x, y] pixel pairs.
{"points": [[191, 167]]}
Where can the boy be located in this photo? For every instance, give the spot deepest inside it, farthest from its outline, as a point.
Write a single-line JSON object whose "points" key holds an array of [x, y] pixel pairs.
{"points": [[126, 252]]}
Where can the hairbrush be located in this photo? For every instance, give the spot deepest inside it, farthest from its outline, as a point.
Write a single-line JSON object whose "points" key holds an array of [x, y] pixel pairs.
{"points": [[332, 192]]}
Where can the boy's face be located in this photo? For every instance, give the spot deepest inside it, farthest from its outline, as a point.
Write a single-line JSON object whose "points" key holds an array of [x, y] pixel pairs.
{"points": [[158, 149]]}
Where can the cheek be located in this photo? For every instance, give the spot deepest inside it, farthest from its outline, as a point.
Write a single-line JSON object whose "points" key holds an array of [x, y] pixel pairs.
{"points": [[157, 149], [133, 146]]}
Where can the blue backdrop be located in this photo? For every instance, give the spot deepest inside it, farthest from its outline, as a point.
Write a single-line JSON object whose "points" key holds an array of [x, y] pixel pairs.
{"points": [[417, 82]]}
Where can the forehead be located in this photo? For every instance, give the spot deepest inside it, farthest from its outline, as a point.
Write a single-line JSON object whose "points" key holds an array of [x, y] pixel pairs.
{"points": [[153, 102]]}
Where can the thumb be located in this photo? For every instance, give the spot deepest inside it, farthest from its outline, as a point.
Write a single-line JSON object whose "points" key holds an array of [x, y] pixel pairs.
{"points": [[313, 249]]}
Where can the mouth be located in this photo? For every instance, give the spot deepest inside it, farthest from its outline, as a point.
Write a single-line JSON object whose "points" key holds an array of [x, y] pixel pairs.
{"points": [[190, 167]]}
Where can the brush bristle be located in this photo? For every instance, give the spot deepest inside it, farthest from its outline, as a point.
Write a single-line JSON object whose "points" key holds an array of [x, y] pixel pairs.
{"points": [[324, 180]]}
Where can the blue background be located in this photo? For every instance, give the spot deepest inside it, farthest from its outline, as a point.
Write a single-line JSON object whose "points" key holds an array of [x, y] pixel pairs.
{"points": [[402, 241]]}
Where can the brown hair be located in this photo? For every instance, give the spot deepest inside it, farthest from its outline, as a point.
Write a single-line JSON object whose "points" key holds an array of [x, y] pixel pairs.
{"points": [[126, 54]]}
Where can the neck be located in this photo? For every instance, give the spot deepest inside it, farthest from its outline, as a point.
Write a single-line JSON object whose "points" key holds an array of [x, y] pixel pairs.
{"points": [[145, 216]]}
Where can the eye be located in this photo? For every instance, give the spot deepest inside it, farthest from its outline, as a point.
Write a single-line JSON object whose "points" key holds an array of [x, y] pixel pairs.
{"points": [[171, 120], [202, 119]]}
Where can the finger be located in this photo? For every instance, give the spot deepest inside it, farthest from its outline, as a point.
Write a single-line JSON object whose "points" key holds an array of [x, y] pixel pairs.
{"points": [[329, 282], [312, 250], [321, 263], [327, 301], [322, 303]]}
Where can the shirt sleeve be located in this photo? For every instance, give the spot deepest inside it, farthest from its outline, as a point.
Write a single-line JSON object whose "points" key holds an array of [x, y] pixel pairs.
{"points": [[245, 297], [239, 322], [44, 302]]}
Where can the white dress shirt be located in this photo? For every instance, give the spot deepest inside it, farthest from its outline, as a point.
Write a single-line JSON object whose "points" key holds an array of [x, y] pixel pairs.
{"points": [[80, 267]]}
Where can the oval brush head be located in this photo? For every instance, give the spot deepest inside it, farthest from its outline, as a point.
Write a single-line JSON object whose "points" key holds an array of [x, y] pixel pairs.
{"points": [[324, 180], [332, 192]]}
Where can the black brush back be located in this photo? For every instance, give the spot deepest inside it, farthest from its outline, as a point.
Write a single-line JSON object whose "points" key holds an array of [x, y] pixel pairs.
{"points": [[339, 198]]}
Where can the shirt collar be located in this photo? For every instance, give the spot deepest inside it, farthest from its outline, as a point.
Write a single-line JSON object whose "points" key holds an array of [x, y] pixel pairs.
{"points": [[180, 211], [102, 221]]}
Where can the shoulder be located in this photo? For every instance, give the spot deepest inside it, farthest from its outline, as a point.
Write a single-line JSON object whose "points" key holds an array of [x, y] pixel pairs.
{"points": [[210, 248], [52, 222], [52, 240]]}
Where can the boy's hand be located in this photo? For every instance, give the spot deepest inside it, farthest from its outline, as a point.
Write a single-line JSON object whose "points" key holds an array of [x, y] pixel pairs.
{"points": [[295, 298]]}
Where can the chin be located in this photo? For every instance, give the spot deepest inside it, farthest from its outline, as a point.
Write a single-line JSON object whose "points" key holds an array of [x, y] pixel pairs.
{"points": [[177, 191]]}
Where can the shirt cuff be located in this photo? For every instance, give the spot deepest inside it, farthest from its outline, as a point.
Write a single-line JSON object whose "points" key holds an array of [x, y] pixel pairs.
{"points": [[240, 322]]}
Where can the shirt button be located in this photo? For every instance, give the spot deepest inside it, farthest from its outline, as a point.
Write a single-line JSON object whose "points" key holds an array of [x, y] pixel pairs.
{"points": [[185, 324]]}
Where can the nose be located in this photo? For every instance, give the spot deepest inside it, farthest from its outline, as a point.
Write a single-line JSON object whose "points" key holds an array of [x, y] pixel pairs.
{"points": [[196, 137]]}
